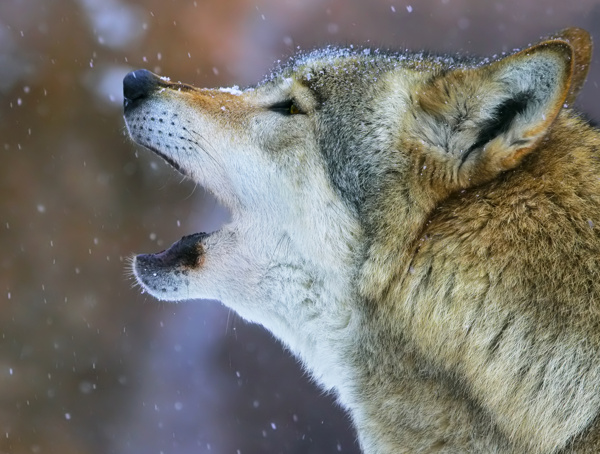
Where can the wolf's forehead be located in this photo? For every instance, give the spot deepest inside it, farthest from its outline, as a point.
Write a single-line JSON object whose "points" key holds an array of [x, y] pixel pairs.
{"points": [[365, 60]]}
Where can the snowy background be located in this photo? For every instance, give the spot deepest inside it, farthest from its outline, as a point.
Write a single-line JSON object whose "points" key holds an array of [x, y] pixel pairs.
{"points": [[88, 364]]}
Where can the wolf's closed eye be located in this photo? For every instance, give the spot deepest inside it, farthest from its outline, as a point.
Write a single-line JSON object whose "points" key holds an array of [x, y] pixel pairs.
{"points": [[287, 107]]}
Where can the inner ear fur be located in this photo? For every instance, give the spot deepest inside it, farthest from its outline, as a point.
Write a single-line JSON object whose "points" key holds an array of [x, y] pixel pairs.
{"points": [[484, 120]]}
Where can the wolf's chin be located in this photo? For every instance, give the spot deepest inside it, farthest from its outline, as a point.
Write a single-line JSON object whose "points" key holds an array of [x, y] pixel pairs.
{"points": [[164, 274]]}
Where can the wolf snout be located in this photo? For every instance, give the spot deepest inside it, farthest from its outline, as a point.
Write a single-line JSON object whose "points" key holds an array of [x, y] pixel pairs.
{"points": [[139, 84]]}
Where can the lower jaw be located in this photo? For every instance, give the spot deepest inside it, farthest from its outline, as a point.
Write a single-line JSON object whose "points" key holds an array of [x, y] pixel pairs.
{"points": [[185, 254]]}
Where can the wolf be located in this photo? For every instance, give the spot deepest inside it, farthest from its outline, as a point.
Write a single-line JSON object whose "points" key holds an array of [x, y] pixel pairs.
{"points": [[422, 231]]}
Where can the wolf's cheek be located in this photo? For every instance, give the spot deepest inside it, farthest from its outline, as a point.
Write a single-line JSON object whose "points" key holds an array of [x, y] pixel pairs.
{"points": [[166, 274]]}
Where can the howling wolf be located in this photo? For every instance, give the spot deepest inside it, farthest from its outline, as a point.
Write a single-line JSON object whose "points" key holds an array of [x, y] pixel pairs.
{"points": [[422, 231]]}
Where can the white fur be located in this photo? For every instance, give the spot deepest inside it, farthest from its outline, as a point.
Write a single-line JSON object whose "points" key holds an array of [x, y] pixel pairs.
{"points": [[285, 260]]}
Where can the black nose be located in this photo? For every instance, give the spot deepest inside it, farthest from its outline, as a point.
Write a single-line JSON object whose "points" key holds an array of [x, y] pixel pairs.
{"points": [[139, 84]]}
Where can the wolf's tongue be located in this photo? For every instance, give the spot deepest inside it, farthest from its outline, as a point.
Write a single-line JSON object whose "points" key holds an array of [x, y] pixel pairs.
{"points": [[185, 254]]}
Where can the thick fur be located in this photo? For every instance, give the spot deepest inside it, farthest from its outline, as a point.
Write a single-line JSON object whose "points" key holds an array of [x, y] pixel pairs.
{"points": [[423, 232]]}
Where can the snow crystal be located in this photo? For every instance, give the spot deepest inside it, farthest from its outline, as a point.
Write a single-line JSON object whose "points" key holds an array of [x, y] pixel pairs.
{"points": [[235, 90], [409, 8], [86, 387]]}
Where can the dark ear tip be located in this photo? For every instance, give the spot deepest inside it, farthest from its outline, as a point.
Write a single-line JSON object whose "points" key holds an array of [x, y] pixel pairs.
{"points": [[580, 42]]}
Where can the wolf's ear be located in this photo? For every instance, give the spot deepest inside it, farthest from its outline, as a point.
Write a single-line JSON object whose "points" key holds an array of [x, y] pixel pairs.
{"points": [[484, 120]]}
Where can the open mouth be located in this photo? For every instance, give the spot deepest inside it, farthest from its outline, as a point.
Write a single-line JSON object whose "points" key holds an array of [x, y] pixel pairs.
{"points": [[164, 274]]}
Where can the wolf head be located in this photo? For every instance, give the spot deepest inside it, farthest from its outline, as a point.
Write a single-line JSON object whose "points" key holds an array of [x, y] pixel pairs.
{"points": [[337, 147], [331, 166]]}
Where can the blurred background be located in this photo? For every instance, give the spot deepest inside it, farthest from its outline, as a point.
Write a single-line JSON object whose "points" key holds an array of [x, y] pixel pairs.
{"points": [[89, 364]]}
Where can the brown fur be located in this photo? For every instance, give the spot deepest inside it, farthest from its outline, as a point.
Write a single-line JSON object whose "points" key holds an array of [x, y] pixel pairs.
{"points": [[499, 276]]}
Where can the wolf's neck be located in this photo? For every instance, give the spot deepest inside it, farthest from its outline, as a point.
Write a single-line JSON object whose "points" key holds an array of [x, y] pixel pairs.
{"points": [[313, 313], [302, 289]]}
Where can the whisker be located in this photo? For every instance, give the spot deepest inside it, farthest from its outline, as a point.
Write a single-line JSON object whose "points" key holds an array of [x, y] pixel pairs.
{"points": [[130, 272], [192, 134], [192, 192]]}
